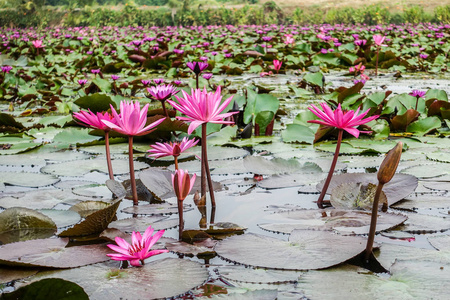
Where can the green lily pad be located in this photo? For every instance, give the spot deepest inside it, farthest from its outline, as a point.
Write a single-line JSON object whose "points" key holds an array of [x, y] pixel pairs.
{"points": [[62, 218], [422, 202], [259, 276], [95, 102], [305, 250], [142, 223], [24, 218], [262, 166], [74, 136], [440, 242], [54, 288], [289, 180], [93, 191], [60, 121], [296, 133], [162, 278], [27, 179], [40, 199], [343, 221], [86, 208], [409, 280], [427, 171], [40, 158], [418, 223], [440, 156], [52, 253], [390, 253], [424, 126], [94, 223], [82, 167]]}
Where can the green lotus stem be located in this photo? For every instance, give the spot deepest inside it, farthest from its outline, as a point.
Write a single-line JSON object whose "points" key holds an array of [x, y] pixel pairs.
{"points": [[330, 173], [132, 177], [373, 222], [108, 156], [180, 218], [206, 166]]}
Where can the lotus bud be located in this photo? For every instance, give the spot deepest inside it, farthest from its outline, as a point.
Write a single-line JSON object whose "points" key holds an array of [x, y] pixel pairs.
{"points": [[390, 164]]}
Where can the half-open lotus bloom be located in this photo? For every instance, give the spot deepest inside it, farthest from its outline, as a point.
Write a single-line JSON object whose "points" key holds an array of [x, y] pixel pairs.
{"points": [[182, 183], [37, 44], [90, 119], [171, 149], [417, 93], [139, 250], [277, 65], [202, 107], [347, 120], [162, 92], [379, 39], [197, 66], [131, 120]]}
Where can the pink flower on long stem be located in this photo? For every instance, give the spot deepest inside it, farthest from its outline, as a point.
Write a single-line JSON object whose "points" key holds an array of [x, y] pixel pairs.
{"points": [[342, 121], [172, 149], [139, 250], [378, 39], [38, 45], [182, 185], [201, 108], [90, 119], [418, 94], [131, 122], [162, 93], [197, 67]]}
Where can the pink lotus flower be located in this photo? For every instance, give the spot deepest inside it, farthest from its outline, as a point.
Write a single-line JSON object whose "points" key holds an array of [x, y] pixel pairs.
{"points": [[162, 92], [197, 67], [82, 82], [417, 93], [182, 184], [90, 119], [339, 119], [175, 149], [379, 39], [6, 69], [277, 65], [131, 120], [202, 107], [139, 250], [37, 44]]}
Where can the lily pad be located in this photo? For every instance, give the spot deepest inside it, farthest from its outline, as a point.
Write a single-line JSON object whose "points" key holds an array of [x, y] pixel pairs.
{"points": [[93, 191], [427, 171], [40, 199], [418, 223], [116, 188], [440, 242], [52, 253], [62, 218], [305, 250], [82, 167], [163, 278], [155, 209], [21, 235], [262, 166], [398, 188], [342, 221], [24, 218], [259, 276], [289, 180], [74, 136], [203, 247], [10, 274], [390, 253], [94, 223], [54, 288], [27, 179], [440, 156], [142, 223], [86, 208], [355, 195], [439, 186], [409, 280]]}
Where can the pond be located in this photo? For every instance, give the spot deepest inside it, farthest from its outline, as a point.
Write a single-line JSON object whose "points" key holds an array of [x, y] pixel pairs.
{"points": [[265, 188]]}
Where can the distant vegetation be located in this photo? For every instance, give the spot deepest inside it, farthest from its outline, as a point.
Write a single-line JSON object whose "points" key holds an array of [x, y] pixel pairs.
{"points": [[42, 13]]}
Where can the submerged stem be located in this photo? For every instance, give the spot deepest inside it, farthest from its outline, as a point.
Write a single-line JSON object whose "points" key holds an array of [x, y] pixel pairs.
{"points": [[108, 156], [330, 173], [373, 222], [206, 166], [132, 178]]}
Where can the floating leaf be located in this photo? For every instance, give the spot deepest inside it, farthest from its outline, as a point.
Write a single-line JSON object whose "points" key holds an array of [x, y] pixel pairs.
{"points": [[398, 188], [94, 223], [27, 179], [259, 276], [62, 218], [155, 209], [296, 133], [93, 191], [342, 221], [24, 218], [21, 235], [60, 121], [427, 171], [142, 223], [418, 223], [162, 278], [354, 195], [262, 166], [82, 167], [440, 156], [9, 274], [74, 136], [203, 247], [116, 188], [95, 102], [424, 126], [440, 242], [409, 280], [305, 250], [51, 253], [40, 199], [423, 202], [289, 180], [54, 288]]}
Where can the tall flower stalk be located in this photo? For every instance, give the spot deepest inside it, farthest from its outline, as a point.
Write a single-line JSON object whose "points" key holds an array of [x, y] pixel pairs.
{"points": [[131, 122], [418, 94], [200, 108], [89, 119], [342, 121]]}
